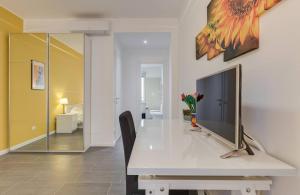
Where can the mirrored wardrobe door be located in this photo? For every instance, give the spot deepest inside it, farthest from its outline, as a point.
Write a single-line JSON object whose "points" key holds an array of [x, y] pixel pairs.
{"points": [[28, 80], [66, 92]]}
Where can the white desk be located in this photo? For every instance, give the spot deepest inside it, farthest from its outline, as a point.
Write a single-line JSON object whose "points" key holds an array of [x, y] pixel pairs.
{"points": [[169, 148]]}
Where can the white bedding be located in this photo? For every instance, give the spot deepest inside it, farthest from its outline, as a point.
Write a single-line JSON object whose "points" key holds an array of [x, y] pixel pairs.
{"points": [[76, 109]]}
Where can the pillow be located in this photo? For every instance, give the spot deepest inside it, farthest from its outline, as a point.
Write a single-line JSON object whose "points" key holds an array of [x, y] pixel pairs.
{"points": [[76, 110]]}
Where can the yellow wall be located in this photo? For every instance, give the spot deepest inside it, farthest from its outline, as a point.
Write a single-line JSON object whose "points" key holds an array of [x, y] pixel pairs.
{"points": [[66, 78], [9, 23], [28, 108]]}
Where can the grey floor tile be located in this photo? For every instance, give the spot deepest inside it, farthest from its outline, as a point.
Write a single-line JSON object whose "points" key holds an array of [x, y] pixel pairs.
{"points": [[34, 188], [99, 171], [12, 180], [56, 176], [5, 187], [30, 167], [117, 189], [100, 177], [20, 173], [18, 158], [84, 189], [57, 142]]}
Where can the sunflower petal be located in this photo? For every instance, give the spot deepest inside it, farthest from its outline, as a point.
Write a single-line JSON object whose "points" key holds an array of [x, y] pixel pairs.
{"points": [[255, 28], [244, 31]]}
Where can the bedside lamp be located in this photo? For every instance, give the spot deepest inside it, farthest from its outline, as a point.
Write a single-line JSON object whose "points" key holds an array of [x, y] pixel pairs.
{"points": [[64, 101]]}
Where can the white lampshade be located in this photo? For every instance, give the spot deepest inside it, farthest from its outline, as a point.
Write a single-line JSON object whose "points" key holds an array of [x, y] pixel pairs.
{"points": [[64, 101]]}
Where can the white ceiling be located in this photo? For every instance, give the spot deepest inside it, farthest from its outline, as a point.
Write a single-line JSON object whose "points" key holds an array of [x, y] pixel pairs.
{"points": [[74, 40], [136, 40], [33, 9]]}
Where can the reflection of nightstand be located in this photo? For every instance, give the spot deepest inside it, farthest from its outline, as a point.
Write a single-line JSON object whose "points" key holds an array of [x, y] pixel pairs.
{"points": [[66, 123]]}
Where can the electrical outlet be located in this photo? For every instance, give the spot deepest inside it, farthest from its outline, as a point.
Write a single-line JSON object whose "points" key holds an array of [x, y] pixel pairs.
{"points": [[33, 128]]}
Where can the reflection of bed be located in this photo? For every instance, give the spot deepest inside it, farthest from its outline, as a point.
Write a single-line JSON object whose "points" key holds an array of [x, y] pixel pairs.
{"points": [[76, 109]]}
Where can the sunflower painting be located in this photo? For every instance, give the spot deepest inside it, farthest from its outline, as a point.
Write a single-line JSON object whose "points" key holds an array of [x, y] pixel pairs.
{"points": [[232, 27]]}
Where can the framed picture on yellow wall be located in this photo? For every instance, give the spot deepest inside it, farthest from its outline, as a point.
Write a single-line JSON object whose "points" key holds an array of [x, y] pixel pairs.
{"points": [[37, 75]]}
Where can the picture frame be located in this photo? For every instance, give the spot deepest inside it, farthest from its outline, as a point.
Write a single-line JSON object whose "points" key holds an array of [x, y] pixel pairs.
{"points": [[37, 75], [232, 28]]}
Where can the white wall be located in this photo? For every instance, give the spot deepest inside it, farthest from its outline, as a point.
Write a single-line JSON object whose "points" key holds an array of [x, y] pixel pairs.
{"points": [[131, 85], [117, 88], [102, 111], [271, 106]]}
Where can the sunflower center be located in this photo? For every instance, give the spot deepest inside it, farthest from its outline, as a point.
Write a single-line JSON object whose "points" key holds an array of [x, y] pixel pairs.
{"points": [[241, 8]]}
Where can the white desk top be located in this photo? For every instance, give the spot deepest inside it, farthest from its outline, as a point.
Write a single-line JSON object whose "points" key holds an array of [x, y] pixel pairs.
{"points": [[170, 148]]}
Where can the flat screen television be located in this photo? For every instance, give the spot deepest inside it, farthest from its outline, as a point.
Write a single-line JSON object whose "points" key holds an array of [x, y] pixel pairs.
{"points": [[220, 109]]}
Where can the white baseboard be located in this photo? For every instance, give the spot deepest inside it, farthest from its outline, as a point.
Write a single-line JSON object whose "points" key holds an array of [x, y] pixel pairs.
{"points": [[5, 151], [15, 147], [52, 132], [106, 144], [116, 140]]}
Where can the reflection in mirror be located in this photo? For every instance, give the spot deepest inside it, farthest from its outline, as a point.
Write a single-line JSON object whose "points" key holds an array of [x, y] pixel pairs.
{"points": [[152, 91], [28, 92], [66, 56]]}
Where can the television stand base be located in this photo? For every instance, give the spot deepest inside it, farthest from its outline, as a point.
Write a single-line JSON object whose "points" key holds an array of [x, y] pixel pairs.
{"points": [[234, 153], [238, 153]]}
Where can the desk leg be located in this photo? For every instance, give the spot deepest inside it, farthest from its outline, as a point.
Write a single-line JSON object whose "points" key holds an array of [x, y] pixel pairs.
{"points": [[163, 190]]}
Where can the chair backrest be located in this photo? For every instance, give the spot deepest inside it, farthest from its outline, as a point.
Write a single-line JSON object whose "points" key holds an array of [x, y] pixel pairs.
{"points": [[128, 137], [128, 134]]}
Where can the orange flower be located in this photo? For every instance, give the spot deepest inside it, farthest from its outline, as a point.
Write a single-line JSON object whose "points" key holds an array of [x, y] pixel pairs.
{"points": [[266, 5], [236, 20], [207, 42], [201, 45], [230, 23], [271, 3]]}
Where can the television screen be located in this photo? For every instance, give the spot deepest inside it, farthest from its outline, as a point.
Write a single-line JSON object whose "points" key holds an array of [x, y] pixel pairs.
{"points": [[219, 110]]}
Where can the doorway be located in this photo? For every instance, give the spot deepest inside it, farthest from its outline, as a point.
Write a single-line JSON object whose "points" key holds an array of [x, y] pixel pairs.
{"points": [[142, 75], [152, 91]]}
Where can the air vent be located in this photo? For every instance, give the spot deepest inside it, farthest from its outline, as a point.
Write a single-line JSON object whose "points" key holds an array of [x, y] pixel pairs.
{"points": [[89, 26]]}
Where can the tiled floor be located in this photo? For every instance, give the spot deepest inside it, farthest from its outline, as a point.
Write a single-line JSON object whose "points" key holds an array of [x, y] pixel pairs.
{"points": [[58, 142], [99, 171]]}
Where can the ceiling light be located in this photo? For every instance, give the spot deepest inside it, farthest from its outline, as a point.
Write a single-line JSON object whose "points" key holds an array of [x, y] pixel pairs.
{"points": [[145, 42]]}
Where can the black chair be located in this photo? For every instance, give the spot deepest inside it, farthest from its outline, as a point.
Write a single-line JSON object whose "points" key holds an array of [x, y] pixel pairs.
{"points": [[128, 137]]}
